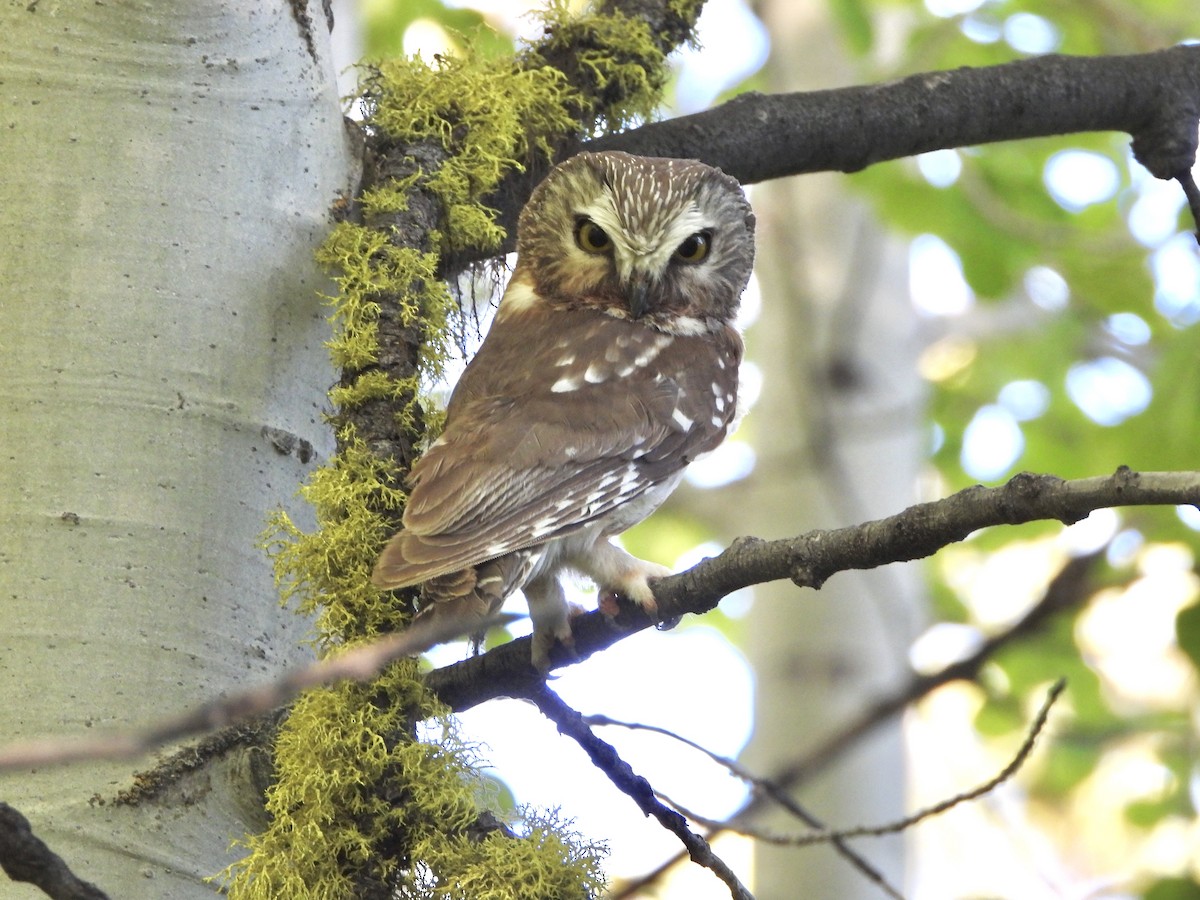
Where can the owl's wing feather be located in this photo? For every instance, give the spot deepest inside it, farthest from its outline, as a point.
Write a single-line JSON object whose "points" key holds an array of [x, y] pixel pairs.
{"points": [[521, 462]]}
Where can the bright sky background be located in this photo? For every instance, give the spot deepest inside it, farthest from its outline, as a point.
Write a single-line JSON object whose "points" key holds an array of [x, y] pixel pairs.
{"points": [[692, 680]]}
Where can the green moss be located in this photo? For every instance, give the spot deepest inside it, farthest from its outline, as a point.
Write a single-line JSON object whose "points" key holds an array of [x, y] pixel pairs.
{"points": [[369, 268], [489, 115], [327, 572], [549, 862], [621, 69]]}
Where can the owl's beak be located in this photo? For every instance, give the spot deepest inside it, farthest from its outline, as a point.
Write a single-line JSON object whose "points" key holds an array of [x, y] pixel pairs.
{"points": [[639, 295]]}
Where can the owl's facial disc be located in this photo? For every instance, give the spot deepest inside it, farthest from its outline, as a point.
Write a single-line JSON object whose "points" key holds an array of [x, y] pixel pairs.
{"points": [[640, 248]]}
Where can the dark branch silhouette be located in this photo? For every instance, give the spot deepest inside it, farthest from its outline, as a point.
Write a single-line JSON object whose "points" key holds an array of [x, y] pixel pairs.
{"points": [[25, 857], [605, 757]]}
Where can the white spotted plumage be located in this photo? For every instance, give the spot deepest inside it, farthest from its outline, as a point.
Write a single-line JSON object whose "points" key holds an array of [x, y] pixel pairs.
{"points": [[610, 365]]}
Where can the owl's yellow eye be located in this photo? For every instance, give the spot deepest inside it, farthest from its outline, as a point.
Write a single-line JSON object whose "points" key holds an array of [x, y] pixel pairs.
{"points": [[591, 237], [694, 248]]}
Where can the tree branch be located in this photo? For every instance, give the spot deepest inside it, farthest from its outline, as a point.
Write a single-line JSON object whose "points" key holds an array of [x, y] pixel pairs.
{"points": [[843, 849], [619, 772], [25, 857], [1155, 97], [842, 834], [362, 663], [755, 137], [809, 559]]}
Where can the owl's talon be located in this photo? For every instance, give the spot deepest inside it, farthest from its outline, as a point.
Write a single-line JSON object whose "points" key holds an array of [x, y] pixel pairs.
{"points": [[543, 643]]}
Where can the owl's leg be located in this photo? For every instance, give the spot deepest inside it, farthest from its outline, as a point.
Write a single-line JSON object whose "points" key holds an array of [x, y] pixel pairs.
{"points": [[551, 615], [615, 570]]}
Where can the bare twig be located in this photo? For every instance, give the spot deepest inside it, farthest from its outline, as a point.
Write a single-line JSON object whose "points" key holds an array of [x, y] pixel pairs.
{"points": [[844, 850], [619, 772], [1066, 590], [25, 857], [359, 664], [823, 836], [1193, 197]]}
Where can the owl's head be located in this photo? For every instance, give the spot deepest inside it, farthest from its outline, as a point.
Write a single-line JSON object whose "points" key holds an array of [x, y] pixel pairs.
{"points": [[663, 240]]}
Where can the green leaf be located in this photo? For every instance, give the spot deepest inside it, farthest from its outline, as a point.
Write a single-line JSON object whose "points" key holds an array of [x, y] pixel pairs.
{"points": [[1148, 813], [1173, 889], [856, 24], [1187, 632]]}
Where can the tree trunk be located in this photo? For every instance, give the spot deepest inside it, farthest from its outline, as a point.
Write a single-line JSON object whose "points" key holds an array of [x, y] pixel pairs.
{"points": [[168, 171], [838, 435]]}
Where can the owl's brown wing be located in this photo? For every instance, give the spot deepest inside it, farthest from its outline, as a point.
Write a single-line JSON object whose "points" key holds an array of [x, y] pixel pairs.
{"points": [[525, 462]]}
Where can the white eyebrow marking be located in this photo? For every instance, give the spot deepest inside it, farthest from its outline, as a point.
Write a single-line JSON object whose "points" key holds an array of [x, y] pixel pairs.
{"points": [[566, 384]]}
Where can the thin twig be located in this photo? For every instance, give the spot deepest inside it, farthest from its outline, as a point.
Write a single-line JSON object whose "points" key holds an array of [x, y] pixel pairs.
{"points": [[1066, 590], [1013, 766], [761, 784], [1193, 198], [358, 664], [605, 757]]}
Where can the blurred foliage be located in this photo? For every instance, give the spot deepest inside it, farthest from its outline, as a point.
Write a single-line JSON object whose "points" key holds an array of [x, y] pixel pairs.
{"points": [[384, 23], [1000, 216]]}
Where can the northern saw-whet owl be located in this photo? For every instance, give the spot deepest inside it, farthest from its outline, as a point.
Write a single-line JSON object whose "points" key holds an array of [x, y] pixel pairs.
{"points": [[612, 363]]}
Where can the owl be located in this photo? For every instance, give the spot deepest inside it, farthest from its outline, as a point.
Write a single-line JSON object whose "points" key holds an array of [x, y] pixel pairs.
{"points": [[612, 363]]}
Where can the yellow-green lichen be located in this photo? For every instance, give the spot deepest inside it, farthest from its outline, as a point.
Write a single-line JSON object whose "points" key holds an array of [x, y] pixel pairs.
{"points": [[349, 780], [327, 572], [549, 862], [489, 115], [368, 267], [620, 63]]}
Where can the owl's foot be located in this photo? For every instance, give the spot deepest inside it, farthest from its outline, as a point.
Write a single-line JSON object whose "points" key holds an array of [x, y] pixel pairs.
{"points": [[620, 574], [612, 604], [551, 615], [544, 641]]}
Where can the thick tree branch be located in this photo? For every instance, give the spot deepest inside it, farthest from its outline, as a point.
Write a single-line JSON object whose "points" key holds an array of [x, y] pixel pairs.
{"points": [[25, 857], [810, 559], [1155, 97]]}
